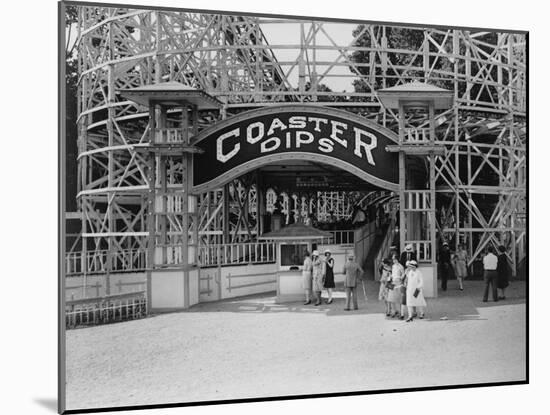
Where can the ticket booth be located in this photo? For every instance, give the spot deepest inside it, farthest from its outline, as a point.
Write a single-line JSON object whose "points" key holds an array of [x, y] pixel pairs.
{"points": [[293, 242]]}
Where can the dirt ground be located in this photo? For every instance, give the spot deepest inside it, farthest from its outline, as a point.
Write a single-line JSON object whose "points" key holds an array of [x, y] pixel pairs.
{"points": [[253, 347]]}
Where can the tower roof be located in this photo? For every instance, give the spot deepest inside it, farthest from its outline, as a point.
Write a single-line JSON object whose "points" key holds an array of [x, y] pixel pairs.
{"points": [[171, 93], [416, 92]]}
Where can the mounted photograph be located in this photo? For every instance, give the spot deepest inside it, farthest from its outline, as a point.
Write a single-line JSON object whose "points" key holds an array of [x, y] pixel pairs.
{"points": [[278, 207]]}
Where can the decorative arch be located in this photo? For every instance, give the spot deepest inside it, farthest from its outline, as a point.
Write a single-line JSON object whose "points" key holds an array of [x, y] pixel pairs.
{"points": [[256, 138]]}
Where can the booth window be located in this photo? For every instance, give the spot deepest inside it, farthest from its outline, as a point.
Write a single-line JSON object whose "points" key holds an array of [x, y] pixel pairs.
{"points": [[293, 254]]}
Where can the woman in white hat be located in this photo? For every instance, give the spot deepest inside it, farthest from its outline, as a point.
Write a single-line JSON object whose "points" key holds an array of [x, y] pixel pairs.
{"points": [[329, 275], [414, 293], [407, 255], [395, 295], [317, 276], [306, 277]]}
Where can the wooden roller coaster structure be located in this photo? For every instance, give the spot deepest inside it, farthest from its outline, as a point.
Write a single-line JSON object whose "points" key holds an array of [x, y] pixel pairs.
{"points": [[480, 179]]}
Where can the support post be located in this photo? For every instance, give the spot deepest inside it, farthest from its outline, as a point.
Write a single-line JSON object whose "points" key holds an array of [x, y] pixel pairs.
{"points": [[402, 183], [185, 208], [431, 115]]}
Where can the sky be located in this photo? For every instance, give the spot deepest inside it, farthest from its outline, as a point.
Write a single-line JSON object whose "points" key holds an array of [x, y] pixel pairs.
{"points": [[289, 34], [285, 34]]}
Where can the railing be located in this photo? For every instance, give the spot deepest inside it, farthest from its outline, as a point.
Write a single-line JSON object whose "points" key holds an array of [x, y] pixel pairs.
{"points": [[423, 250], [363, 240], [101, 310], [385, 246], [134, 260], [340, 237], [417, 135], [417, 200], [231, 286], [168, 135], [174, 203], [96, 261], [237, 254]]}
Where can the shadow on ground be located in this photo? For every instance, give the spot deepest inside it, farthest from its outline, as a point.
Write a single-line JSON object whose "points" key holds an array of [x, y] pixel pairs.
{"points": [[48, 403], [452, 304]]}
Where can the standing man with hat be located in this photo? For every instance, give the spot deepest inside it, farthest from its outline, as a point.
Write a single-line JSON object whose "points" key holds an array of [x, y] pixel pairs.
{"points": [[407, 255], [352, 271], [490, 264], [445, 264]]}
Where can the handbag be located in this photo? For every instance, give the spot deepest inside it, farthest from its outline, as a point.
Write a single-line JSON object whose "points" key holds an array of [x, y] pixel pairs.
{"points": [[389, 285], [416, 292]]}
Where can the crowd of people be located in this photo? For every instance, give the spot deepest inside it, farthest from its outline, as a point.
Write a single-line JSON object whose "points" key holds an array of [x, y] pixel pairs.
{"points": [[318, 273], [401, 288], [401, 282], [496, 269]]}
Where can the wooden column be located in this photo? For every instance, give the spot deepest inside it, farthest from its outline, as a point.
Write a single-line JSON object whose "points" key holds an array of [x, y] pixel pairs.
{"points": [[402, 178], [226, 237], [195, 214], [260, 204], [431, 115], [302, 64], [151, 215], [111, 169], [185, 208]]}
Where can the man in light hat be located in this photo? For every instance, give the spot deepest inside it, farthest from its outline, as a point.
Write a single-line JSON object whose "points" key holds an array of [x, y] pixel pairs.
{"points": [[352, 271], [407, 255], [444, 264]]}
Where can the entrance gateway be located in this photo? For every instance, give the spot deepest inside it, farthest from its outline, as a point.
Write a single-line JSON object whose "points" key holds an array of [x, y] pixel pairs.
{"points": [[252, 141], [247, 141]]}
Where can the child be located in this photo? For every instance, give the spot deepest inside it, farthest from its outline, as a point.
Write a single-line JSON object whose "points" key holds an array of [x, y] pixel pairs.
{"points": [[395, 294], [385, 280]]}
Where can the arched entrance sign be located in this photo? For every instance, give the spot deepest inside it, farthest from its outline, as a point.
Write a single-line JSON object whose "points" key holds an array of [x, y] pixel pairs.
{"points": [[255, 138]]}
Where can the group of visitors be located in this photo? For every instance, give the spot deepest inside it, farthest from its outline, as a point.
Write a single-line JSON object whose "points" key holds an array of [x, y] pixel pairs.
{"points": [[457, 262], [401, 282], [401, 287], [318, 273], [496, 273], [496, 270]]}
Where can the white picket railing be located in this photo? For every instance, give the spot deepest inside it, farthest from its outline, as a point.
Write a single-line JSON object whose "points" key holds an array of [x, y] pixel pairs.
{"points": [[423, 250], [417, 200], [96, 261], [237, 254], [168, 135], [417, 135], [340, 237]]}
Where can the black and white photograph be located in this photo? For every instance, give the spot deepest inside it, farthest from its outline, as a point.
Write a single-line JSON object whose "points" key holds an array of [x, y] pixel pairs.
{"points": [[274, 206]]}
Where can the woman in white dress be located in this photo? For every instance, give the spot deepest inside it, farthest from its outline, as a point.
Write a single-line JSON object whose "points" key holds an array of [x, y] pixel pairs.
{"points": [[307, 277], [461, 265], [414, 293], [395, 295]]}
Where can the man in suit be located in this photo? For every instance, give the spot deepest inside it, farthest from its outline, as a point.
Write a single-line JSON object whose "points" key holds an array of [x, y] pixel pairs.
{"points": [[445, 265], [407, 255], [353, 272]]}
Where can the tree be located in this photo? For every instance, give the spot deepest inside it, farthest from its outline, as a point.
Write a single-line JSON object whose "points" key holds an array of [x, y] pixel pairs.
{"points": [[71, 91]]}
